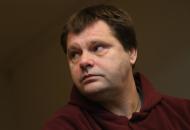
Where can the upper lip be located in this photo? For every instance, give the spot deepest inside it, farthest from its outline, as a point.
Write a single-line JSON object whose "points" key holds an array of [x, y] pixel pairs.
{"points": [[88, 75]]}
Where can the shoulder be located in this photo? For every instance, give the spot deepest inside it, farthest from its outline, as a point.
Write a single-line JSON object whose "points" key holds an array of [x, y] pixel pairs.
{"points": [[67, 110], [178, 105], [67, 118]]}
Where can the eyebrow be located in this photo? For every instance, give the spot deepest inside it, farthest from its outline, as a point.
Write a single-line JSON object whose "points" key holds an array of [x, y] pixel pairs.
{"points": [[93, 42], [73, 47], [98, 42]]}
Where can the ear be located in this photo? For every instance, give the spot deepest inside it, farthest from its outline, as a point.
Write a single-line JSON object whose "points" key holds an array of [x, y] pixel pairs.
{"points": [[132, 55]]}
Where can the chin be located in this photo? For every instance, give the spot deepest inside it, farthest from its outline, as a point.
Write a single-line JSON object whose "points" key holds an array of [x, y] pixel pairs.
{"points": [[95, 92]]}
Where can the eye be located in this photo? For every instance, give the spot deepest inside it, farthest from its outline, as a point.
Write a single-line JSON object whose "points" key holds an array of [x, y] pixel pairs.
{"points": [[74, 56], [98, 48]]}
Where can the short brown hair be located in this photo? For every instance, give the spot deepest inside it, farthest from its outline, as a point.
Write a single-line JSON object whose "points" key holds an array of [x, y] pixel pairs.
{"points": [[118, 20]]}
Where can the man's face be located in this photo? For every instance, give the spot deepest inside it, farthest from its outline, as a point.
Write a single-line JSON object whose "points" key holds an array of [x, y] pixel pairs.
{"points": [[98, 63]]}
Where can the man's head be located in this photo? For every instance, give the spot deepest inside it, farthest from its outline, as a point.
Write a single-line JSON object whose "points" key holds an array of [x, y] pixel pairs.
{"points": [[101, 50], [118, 20]]}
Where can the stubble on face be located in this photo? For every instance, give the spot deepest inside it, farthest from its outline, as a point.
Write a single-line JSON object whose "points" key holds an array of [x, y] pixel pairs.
{"points": [[114, 67]]}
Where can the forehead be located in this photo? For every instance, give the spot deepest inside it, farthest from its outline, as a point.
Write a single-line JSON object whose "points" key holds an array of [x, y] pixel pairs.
{"points": [[96, 31]]}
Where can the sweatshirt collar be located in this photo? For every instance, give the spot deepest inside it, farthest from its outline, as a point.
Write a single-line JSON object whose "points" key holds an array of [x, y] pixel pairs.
{"points": [[149, 97]]}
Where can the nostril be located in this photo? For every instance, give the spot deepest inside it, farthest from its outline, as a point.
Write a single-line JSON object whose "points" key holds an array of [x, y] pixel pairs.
{"points": [[86, 62], [86, 67]]}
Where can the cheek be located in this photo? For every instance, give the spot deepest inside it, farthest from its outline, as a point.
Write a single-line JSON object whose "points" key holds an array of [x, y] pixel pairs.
{"points": [[75, 72], [111, 63], [115, 67]]}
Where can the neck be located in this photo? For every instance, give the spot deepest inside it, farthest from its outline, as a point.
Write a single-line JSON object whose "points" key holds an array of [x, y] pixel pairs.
{"points": [[125, 103]]}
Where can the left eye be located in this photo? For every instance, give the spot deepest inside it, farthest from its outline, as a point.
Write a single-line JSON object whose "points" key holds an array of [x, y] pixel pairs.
{"points": [[98, 48]]}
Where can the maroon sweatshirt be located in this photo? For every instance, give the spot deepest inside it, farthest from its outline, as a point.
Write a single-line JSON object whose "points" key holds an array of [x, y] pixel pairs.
{"points": [[158, 112]]}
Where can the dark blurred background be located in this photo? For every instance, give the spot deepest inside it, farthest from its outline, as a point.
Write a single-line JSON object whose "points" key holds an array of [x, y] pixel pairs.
{"points": [[34, 79]]}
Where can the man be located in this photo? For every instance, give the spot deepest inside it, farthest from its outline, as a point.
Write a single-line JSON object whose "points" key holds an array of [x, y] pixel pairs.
{"points": [[101, 50]]}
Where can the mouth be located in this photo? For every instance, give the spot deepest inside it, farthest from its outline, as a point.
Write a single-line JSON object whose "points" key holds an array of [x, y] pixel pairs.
{"points": [[89, 78]]}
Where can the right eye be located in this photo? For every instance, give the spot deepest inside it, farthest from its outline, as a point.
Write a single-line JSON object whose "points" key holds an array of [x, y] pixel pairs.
{"points": [[74, 56]]}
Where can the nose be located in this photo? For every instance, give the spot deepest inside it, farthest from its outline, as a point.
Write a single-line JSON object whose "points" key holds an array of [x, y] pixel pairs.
{"points": [[86, 62]]}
